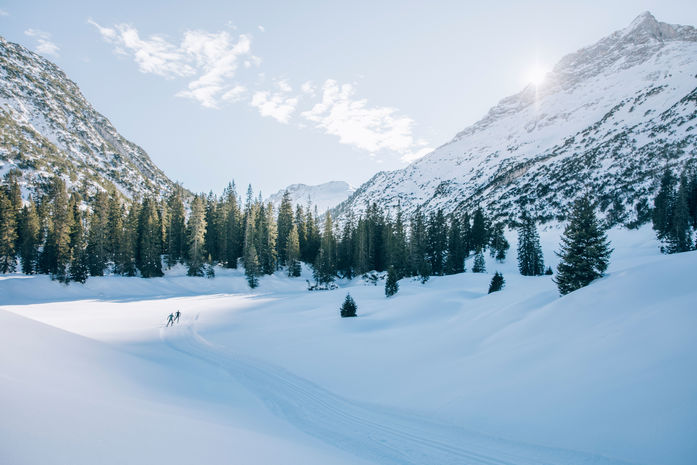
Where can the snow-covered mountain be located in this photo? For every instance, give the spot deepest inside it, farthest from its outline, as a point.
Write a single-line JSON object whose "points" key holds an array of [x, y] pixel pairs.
{"points": [[48, 127], [608, 118], [324, 196]]}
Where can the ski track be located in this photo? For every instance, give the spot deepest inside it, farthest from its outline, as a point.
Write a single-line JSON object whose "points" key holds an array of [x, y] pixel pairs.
{"points": [[368, 431]]}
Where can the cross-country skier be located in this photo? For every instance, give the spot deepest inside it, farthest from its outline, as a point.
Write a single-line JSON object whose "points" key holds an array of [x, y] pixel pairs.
{"points": [[176, 316], [170, 319]]}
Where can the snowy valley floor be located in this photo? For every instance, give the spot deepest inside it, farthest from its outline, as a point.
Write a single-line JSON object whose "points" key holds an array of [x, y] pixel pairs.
{"points": [[442, 373]]}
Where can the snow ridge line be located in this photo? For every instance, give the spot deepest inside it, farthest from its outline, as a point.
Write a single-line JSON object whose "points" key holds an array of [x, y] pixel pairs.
{"points": [[363, 429]]}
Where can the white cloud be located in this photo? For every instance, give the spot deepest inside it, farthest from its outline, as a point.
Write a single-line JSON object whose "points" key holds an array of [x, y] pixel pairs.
{"points": [[212, 58], [4, 13], [261, 28], [43, 42], [279, 105], [373, 129], [235, 94]]}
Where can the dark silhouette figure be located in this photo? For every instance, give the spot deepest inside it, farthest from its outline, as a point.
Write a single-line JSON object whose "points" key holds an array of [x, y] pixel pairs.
{"points": [[170, 319], [176, 316]]}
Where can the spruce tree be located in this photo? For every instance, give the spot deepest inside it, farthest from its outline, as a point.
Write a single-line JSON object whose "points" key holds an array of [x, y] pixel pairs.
{"points": [[8, 233], [391, 284], [437, 242], [678, 238], [293, 253], [176, 227], [479, 234], [497, 283], [499, 244], [325, 264], [530, 261], [234, 227], [285, 224], [479, 265], [97, 239], [148, 237], [663, 206], [417, 247], [79, 268], [251, 259], [55, 256], [29, 227], [195, 237], [585, 250], [399, 254], [455, 263], [349, 307]]}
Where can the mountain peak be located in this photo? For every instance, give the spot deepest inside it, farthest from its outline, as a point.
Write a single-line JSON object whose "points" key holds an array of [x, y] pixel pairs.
{"points": [[644, 21]]}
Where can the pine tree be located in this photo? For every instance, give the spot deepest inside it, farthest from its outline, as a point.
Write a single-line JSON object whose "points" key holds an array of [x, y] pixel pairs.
{"points": [[176, 227], [399, 254], [8, 233], [97, 239], [679, 237], [349, 307], [437, 242], [79, 270], [325, 264], [127, 257], [585, 250], [29, 227], [251, 259], [195, 237], [55, 256], [479, 265], [148, 236], [420, 266], [285, 224], [457, 251], [293, 253], [234, 228], [499, 244], [497, 283], [267, 238], [663, 206], [346, 248], [479, 234], [530, 261], [391, 284]]}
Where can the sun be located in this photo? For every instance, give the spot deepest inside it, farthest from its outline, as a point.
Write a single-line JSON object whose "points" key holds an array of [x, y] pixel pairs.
{"points": [[537, 74]]}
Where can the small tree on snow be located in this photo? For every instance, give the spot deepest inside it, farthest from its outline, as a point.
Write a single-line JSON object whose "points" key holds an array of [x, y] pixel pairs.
{"points": [[497, 283], [479, 265], [391, 284], [585, 250], [349, 307]]}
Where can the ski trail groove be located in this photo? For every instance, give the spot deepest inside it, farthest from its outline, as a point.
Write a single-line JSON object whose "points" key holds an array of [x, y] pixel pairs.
{"points": [[367, 431]]}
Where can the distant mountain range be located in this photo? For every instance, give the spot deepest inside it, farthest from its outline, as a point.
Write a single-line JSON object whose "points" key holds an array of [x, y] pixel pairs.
{"points": [[48, 128], [323, 196], [607, 119]]}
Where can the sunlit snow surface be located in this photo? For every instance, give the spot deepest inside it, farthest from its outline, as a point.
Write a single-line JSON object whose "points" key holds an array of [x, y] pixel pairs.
{"points": [[441, 373]]}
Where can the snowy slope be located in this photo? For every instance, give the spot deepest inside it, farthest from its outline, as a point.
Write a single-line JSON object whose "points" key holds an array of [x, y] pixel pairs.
{"points": [[608, 118], [47, 128], [324, 196], [441, 373]]}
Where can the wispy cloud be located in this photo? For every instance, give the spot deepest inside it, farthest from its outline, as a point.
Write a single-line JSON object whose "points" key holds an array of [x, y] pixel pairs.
{"points": [[279, 104], [3, 12], [44, 45], [371, 128], [261, 28], [211, 59]]}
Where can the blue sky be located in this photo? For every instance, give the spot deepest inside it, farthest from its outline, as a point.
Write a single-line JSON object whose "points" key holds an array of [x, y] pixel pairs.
{"points": [[275, 93]]}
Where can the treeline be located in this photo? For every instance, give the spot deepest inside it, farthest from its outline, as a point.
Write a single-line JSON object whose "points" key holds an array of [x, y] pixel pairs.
{"points": [[674, 212], [70, 237]]}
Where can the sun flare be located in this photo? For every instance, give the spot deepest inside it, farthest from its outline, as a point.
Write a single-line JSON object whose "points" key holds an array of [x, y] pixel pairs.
{"points": [[537, 75]]}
